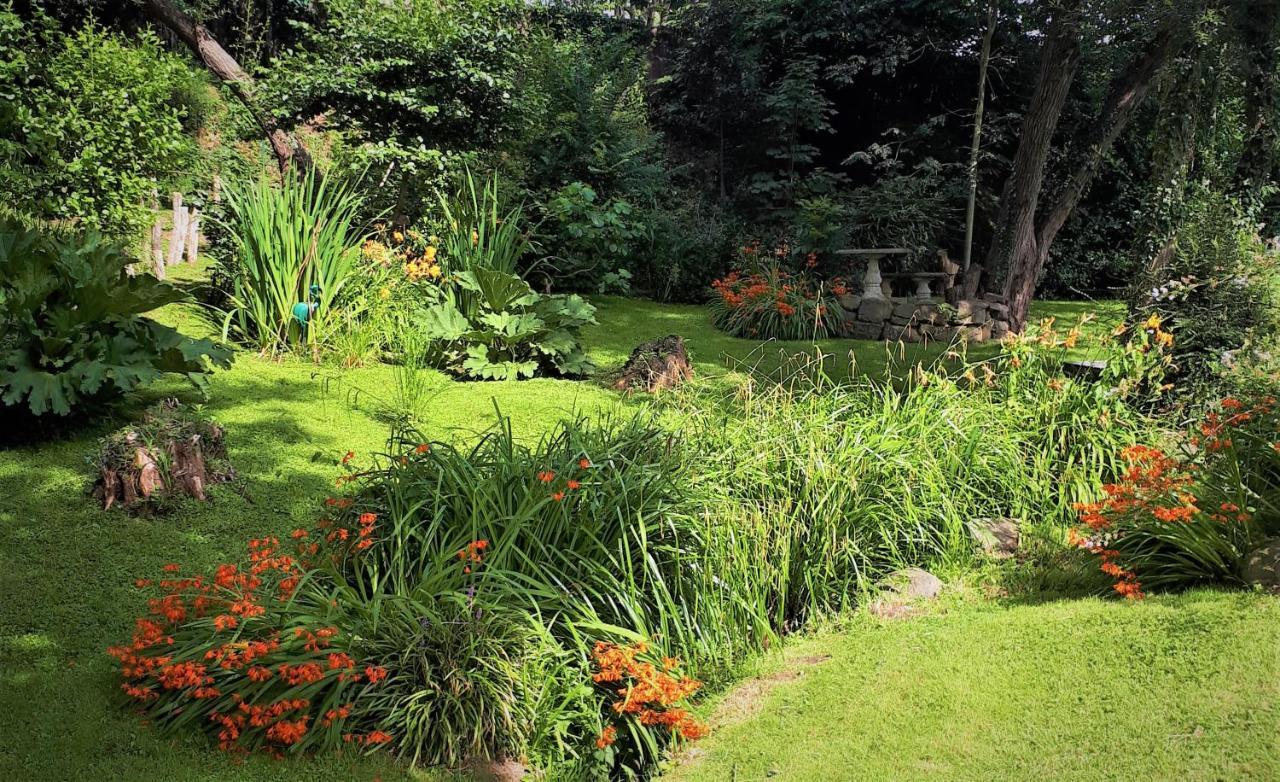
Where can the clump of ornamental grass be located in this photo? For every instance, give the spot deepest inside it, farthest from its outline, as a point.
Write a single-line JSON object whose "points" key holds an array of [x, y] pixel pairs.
{"points": [[1190, 516], [813, 491]]}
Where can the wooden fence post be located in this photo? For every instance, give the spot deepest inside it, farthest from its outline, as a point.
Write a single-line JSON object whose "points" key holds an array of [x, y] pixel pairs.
{"points": [[178, 232], [193, 235]]}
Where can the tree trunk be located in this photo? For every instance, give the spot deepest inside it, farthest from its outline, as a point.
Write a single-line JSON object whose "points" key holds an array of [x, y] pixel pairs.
{"points": [[1014, 247], [196, 36], [1030, 236], [983, 60]]}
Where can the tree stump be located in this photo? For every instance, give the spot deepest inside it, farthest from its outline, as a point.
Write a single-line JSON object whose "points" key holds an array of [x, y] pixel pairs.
{"points": [[655, 366], [171, 453]]}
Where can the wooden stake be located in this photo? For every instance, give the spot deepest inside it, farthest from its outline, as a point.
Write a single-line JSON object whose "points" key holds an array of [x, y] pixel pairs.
{"points": [[157, 245], [193, 235], [178, 232]]}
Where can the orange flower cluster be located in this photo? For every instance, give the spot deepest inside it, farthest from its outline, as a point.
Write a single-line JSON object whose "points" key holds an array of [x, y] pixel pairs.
{"points": [[570, 484], [473, 554], [757, 290], [648, 693], [1159, 487], [208, 642]]}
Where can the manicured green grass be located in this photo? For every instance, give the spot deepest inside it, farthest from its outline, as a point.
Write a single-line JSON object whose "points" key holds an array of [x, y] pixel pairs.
{"points": [[66, 567], [1173, 688]]}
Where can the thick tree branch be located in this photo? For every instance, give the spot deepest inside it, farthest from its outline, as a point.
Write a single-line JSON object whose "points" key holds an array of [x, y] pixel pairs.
{"points": [[224, 66], [1126, 93]]}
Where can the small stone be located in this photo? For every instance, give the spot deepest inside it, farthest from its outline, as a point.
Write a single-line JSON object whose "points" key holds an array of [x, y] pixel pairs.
{"points": [[860, 330], [875, 310], [1262, 565], [498, 770], [894, 332], [999, 329], [997, 537], [977, 333], [906, 310], [932, 333], [998, 310], [915, 583], [850, 302]]}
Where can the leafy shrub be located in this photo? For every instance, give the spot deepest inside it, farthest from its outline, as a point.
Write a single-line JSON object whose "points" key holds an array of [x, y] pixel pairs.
{"points": [[511, 332], [688, 244], [71, 327], [909, 210], [296, 245], [92, 123], [1217, 294], [588, 239], [1192, 517], [775, 304], [486, 322]]}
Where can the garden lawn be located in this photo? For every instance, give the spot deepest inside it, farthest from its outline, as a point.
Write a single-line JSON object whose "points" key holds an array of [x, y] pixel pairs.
{"points": [[67, 568], [1173, 688]]}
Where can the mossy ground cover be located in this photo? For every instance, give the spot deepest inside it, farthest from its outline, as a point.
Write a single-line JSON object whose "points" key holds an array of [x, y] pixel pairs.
{"points": [[67, 568]]}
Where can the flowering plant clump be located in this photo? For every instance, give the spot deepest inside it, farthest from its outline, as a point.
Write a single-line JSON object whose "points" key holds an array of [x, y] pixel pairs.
{"points": [[645, 692], [1190, 517], [412, 253], [775, 304], [249, 656]]}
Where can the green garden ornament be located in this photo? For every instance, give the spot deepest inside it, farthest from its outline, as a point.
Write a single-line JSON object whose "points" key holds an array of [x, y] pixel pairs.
{"points": [[303, 310]]}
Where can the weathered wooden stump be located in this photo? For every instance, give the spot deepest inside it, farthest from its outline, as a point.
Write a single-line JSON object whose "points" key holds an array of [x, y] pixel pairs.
{"points": [[170, 453], [655, 366]]}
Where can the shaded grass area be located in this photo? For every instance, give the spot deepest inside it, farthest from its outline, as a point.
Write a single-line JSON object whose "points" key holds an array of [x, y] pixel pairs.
{"points": [[66, 567], [1172, 688], [624, 323]]}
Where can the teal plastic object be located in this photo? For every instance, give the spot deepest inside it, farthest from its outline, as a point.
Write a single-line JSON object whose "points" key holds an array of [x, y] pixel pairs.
{"points": [[302, 312]]}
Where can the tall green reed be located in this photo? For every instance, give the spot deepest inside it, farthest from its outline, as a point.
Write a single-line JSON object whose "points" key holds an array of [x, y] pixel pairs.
{"points": [[296, 242]]}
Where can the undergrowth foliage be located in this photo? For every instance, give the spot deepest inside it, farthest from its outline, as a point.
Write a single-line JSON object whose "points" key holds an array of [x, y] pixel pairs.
{"points": [[563, 601]]}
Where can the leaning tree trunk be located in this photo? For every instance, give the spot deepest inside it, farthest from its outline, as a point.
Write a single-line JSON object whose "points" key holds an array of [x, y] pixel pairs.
{"points": [[195, 35], [1031, 238]]}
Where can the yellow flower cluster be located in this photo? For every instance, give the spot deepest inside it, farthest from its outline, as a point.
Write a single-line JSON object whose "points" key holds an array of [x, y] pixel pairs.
{"points": [[425, 266]]}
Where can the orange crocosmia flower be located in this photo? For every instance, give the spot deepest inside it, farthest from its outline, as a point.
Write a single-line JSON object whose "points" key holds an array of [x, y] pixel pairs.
{"points": [[348, 456], [225, 622], [172, 568], [584, 463], [558, 496], [573, 484], [377, 737], [364, 544], [375, 674], [422, 448], [368, 518], [607, 737], [142, 583], [299, 534], [546, 476]]}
